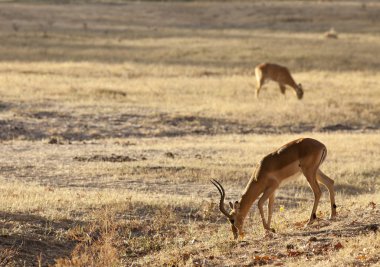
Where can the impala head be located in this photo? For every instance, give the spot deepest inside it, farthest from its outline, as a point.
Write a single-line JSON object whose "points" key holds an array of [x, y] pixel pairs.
{"points": [[233, 216], [299, 91]]}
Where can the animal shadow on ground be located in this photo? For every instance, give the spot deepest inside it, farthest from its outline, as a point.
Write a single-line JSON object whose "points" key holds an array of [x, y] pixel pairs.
{"points": [[30, 238]]}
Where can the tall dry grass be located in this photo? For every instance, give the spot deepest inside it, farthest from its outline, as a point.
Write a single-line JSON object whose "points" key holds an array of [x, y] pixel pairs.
{"points": [[113, 119]]}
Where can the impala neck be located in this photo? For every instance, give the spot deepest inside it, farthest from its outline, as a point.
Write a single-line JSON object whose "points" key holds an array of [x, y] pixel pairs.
{"points": [[251, 193]]}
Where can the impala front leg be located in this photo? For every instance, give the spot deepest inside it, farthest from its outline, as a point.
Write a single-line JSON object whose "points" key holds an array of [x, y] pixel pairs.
{"points": [[257, 92], [267, 193], [260, 82], [270, 210]]}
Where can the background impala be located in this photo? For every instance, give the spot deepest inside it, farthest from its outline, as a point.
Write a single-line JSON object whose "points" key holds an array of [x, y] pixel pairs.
{"points": [[280, 74]]}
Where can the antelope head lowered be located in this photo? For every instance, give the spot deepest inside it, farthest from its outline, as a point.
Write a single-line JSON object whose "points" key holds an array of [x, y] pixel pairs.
{"points": [[279, 74], [303, 155]]}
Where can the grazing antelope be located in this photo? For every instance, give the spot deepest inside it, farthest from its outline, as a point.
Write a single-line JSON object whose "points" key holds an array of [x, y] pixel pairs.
{"points": [[303, 155], [279, 74]]}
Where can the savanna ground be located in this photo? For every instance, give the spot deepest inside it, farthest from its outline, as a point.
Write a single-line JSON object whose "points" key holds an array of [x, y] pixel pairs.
{"points": [[115, 116]]}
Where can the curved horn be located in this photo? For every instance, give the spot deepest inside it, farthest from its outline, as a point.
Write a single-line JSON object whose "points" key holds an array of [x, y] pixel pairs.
{"points": [[222, 195]]}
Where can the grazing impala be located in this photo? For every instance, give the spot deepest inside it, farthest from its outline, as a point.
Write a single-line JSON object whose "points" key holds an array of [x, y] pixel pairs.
{"points": [[279, 74], [303, 155]]}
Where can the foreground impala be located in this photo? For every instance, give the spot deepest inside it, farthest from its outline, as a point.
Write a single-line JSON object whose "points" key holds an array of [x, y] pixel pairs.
{"points": [[279, 74], [303, 155]]}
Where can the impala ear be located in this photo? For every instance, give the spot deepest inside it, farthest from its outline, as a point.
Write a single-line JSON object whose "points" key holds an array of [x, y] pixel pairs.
{"points": [[236, 205], [231, 206]]}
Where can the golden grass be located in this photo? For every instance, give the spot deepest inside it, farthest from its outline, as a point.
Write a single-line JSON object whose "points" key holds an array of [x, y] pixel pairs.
{"points": [[181, 202], [331, 99], [113, 119], [98, 243]]}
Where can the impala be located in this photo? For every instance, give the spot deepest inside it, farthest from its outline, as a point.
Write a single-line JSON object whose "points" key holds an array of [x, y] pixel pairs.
{"points": [[303, 155], [279, 74]]}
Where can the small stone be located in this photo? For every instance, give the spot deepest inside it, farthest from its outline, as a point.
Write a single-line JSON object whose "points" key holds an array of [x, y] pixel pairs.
{"points": [[53, 141], [289, 246], [372, 227], [169, 155]]}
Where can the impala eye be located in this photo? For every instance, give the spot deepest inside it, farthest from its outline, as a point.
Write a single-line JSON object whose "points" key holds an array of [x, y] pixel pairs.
{"points": [[232, 221]]}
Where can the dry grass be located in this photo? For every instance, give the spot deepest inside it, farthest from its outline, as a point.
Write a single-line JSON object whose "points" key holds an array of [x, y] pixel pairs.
{"points": [[113, 118], [72, 97], [98, 243], [139, 232], [81, 199]]}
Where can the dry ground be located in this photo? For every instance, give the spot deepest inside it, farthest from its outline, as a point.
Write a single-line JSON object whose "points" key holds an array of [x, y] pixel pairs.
{"points": [[113, 118], [61, 188]]}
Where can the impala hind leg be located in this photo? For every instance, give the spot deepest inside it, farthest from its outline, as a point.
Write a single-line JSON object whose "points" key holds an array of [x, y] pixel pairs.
{"points": [[282, 88], [329, 183], [311, 178], [267, 194]]}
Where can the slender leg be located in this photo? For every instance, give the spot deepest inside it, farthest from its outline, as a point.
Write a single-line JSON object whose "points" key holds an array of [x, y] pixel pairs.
{"points": [[258, 88], [259, 81], [311, 178], [282, 88], [267, 193], [329, 183], [270, 209]]}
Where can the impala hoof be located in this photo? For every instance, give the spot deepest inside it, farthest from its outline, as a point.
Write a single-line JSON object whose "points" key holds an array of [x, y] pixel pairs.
{"points": [[270, 233], [271, 230], [309, 223], [312, 219]]}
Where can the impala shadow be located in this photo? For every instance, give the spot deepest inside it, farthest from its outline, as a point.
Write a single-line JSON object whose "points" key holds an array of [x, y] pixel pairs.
{"points": [[344, 231], [344, 189], [42, 239], [40, 125], [5, 106]]}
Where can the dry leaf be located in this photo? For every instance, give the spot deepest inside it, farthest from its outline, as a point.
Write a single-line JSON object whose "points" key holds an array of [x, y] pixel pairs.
{"points": [[372, 205], [292, 253], [338, 246], [361, 257], [264, 259], [300, 224]]}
